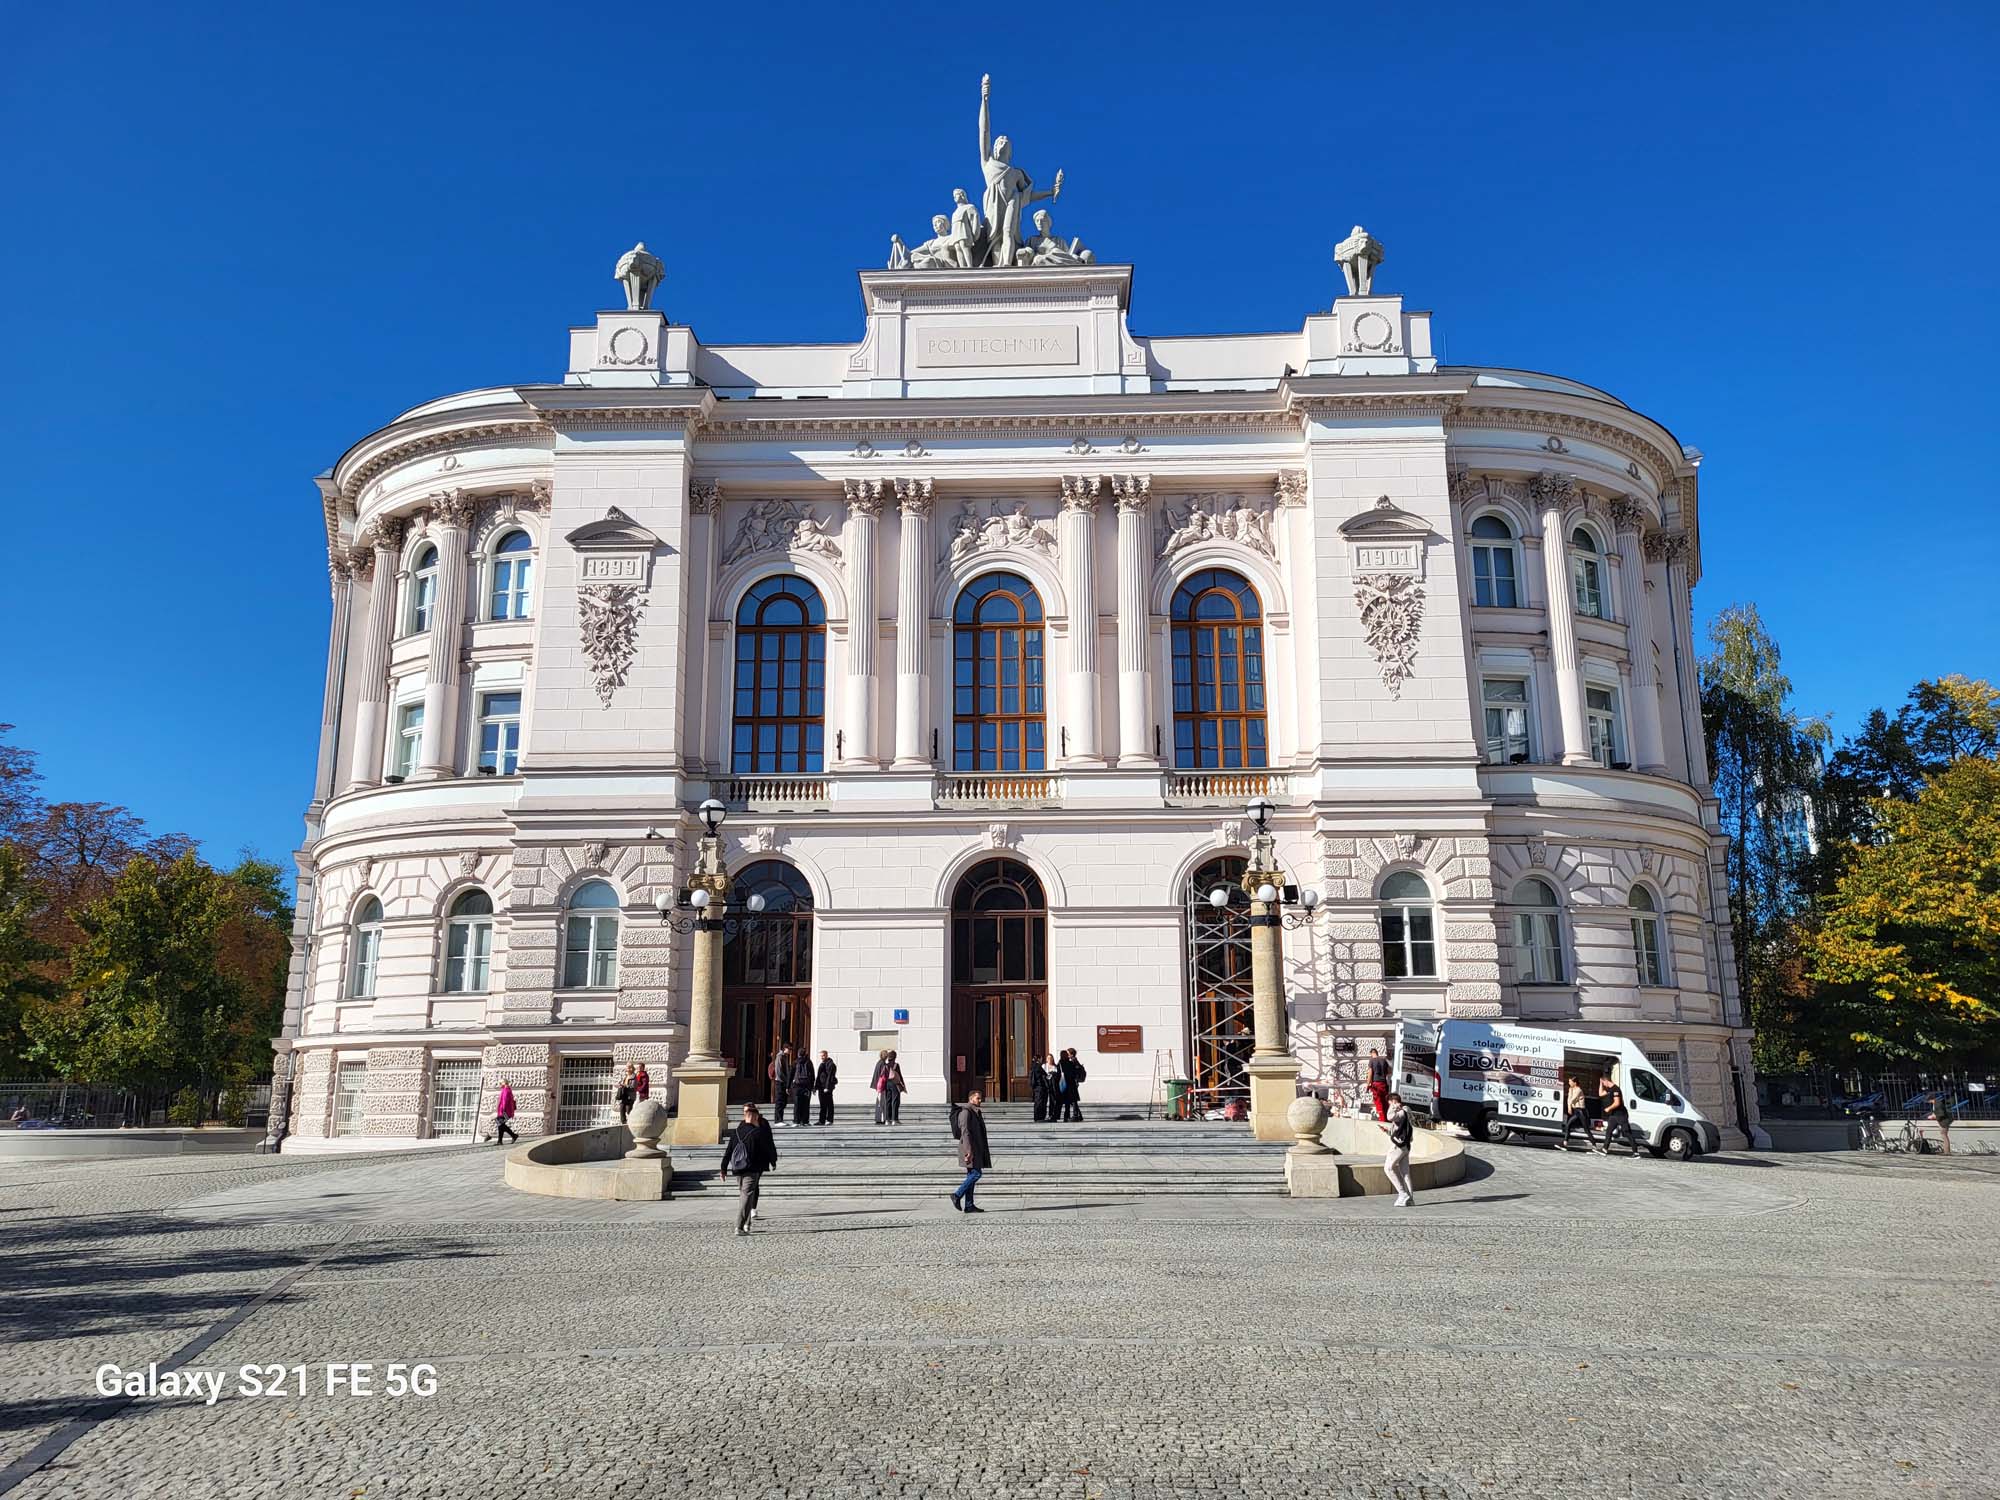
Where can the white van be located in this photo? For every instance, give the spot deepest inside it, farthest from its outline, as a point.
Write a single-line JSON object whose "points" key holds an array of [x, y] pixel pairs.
{"points": [[1497, 1077]]}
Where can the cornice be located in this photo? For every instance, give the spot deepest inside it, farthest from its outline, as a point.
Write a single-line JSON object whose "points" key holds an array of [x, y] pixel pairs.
{"points": [[1078, 423], [653, 409], [1551, 421], [459, 434]]}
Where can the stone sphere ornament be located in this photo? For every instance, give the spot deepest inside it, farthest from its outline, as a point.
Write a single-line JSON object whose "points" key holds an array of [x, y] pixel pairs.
{"points": [[647, 1122], [1307, 1118]]}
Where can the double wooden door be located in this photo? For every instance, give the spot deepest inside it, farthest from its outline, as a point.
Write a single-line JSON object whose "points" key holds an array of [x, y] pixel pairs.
{"points": [[997, 1035], [756, 1022]]}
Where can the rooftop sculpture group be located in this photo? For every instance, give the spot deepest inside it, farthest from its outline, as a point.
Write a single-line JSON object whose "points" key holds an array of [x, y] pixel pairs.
{"points": [[965, 239]]}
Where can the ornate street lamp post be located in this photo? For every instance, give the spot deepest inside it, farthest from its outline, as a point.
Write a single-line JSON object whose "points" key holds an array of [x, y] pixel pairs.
{"points": [[1274, 1072], [703, 1081]]}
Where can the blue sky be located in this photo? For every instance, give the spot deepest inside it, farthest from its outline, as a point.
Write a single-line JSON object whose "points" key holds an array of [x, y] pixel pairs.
{"points": [[240, 238]]}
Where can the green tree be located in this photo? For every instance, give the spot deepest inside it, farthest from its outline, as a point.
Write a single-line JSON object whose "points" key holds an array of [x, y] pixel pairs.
{"points": [[1891, 758], [1765, 764], [23, 955], [1907, 951]]}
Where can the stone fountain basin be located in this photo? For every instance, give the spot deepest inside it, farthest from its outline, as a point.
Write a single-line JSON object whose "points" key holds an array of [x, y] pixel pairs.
{"points": [[589, 1164], [1352, 1167]]}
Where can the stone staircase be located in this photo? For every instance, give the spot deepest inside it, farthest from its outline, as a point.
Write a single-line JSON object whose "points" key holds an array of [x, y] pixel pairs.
{"points": [[1104, 1157]]}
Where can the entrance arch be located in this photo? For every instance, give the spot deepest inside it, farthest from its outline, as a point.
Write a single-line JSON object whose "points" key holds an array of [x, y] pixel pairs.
{"points": [[999, 979], [766, 974]]}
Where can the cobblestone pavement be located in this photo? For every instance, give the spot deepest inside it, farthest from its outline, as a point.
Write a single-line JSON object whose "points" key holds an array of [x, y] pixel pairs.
{"points": [[1556, 1325]]}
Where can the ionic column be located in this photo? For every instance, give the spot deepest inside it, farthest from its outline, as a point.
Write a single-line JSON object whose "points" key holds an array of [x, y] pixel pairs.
{"points": [[438, 752], [1673, 546], [704, 511], [1648, 749], [1078, 541], [1554, 493], [375, 560], [864, 504], [914, 499], [1134, 493], [326, 777]]}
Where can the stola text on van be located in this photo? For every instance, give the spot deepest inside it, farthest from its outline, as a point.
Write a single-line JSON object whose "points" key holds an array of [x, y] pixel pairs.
{"points": [[1496, 1078]]}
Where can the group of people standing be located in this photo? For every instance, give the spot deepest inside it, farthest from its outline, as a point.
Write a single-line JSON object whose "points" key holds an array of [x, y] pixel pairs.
{"points": [[886, 1083], [795, 1079], [637, 1084], [1056, 1086]]}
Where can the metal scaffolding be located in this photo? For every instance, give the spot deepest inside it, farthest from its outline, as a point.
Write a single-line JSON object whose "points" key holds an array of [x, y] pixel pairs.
{"points": [[1221, 1023]]}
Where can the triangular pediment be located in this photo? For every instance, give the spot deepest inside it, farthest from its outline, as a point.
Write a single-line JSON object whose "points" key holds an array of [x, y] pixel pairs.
{"points": [[616, 530], [1385, 519]]}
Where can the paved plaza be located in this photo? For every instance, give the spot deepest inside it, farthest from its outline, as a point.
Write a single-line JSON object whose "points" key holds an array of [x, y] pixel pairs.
{"points": [[1554, 1325]]}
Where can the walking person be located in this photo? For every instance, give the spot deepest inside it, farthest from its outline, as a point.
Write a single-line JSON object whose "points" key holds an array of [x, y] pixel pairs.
{"points": [[1617, 1119], [780, 1073], [503, 1114], [968, 1123], [892, 1091], [1073, 1074], [875, 1086], [1051, 1080], [1396, 1163], [1943, 1116], [1378, 1082], [748, 1152], [626, 1095], [803, 1076], [824, 1081], [1576, 1115]]}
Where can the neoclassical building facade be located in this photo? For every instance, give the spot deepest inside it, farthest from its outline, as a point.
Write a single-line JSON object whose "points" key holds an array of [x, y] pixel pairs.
{"points": [[985, 627]]}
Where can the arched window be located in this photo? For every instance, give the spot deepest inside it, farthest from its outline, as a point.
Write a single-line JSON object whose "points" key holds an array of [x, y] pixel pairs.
{"points": [[780, 715], [996, 634], [1218, 674], [1409, 928], [468, 944], [364, 948], [772, 946], [423, 590], [1538, 946], [1495, 564], [1646, 938], [513, 577], [1586, 573], [1002, 935], [590, 938]]}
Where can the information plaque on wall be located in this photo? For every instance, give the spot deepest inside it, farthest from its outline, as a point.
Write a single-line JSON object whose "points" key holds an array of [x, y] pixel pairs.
{"points": [[1121, 1039]]}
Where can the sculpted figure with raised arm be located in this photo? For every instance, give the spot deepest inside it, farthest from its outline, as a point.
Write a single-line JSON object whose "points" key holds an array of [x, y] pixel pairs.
{"points": [[1009, 191]]}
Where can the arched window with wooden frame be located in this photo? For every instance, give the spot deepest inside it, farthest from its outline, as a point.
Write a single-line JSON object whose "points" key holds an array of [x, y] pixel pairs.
{"points": [[997, 699], [780, 707], [1218, 674]]}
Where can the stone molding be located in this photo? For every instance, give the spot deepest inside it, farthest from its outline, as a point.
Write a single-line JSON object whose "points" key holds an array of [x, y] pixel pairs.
{"points": [[783, 526], [1391, 606], [608, 616]]}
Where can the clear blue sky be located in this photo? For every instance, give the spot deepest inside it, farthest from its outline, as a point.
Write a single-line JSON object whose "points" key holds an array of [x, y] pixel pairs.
{"points": [[239, 238]]}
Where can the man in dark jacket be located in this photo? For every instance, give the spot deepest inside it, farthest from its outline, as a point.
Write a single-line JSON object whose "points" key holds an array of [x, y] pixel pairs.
{"points": [[803, 1075], [781, 1083], [748, 1152], [970, 1128], [1038, 1088], [1072, 1070], [824, 1081]]}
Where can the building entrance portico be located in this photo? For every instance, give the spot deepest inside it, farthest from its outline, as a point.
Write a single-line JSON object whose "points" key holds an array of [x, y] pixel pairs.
{"points": [[766, 974], [999, 970]]}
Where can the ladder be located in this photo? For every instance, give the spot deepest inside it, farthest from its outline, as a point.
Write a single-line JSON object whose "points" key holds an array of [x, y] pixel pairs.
{"points": [[1166, 1064]]}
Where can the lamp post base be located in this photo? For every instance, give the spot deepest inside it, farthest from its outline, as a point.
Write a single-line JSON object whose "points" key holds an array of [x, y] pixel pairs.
{"points": [[1274, 1084], [704, 1104]]}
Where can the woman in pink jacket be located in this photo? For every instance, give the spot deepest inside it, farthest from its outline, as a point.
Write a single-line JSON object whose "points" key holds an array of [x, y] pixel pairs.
{"points": [[503, 1114]]}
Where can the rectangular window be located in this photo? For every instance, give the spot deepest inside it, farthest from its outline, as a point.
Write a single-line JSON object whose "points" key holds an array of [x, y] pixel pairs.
{"points": [[1589, 592], [1646, 951], [454, 1098], [468, 956], [590, 952], [511, 581], [1493, 582], [348, 1081], [1600, 709], [1668, 1064], [1538, 948], [409, 740], [588, 1096], [1506, 720], [499, 733], [361, 974]]}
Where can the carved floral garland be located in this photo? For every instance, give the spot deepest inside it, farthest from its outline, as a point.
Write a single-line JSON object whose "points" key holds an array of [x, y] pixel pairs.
{"points": [[608, 620], [1392, 614]]}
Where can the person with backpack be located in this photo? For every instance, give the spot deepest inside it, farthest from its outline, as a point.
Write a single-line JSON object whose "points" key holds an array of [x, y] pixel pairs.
{"points": [[824, 1081], [1617, 1119], [892, 1090], [1396, 1163], [503, 1114], [748, 1152], [1073, 1074], [968, 1124]]}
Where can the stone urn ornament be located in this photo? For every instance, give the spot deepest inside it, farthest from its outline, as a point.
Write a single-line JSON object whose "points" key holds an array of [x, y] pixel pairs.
{"points": [[647, 1122], [1307, 1117]]}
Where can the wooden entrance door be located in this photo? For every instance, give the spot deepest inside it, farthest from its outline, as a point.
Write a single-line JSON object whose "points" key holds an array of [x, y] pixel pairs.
{"points": [[997, 1036], [756, 1022]]}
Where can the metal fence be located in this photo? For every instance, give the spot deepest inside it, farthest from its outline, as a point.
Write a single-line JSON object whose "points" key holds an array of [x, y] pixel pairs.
{"points": [[1888, 1094], [37, 1104]]}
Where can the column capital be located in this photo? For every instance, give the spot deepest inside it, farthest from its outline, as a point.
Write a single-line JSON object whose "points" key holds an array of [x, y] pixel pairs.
{"points": [[864, 496], [916, 497], [1553, 490], [386, 533], [1627, 515], [1134, 491], [455, 510], [1081, 492], [705, 497], [1669, 547]]}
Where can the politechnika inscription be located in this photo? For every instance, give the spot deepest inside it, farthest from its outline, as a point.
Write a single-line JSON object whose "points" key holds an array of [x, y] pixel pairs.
{"points": [[1052, 345]]}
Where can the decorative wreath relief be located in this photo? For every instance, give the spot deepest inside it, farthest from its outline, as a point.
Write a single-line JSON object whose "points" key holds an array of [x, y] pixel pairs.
{"points": [[608, 619], [1392, 613]]}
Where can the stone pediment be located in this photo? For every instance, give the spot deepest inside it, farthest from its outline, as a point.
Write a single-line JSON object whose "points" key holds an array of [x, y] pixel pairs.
{"points": [[615, 531], [1385, 520], [1387, 539]]}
